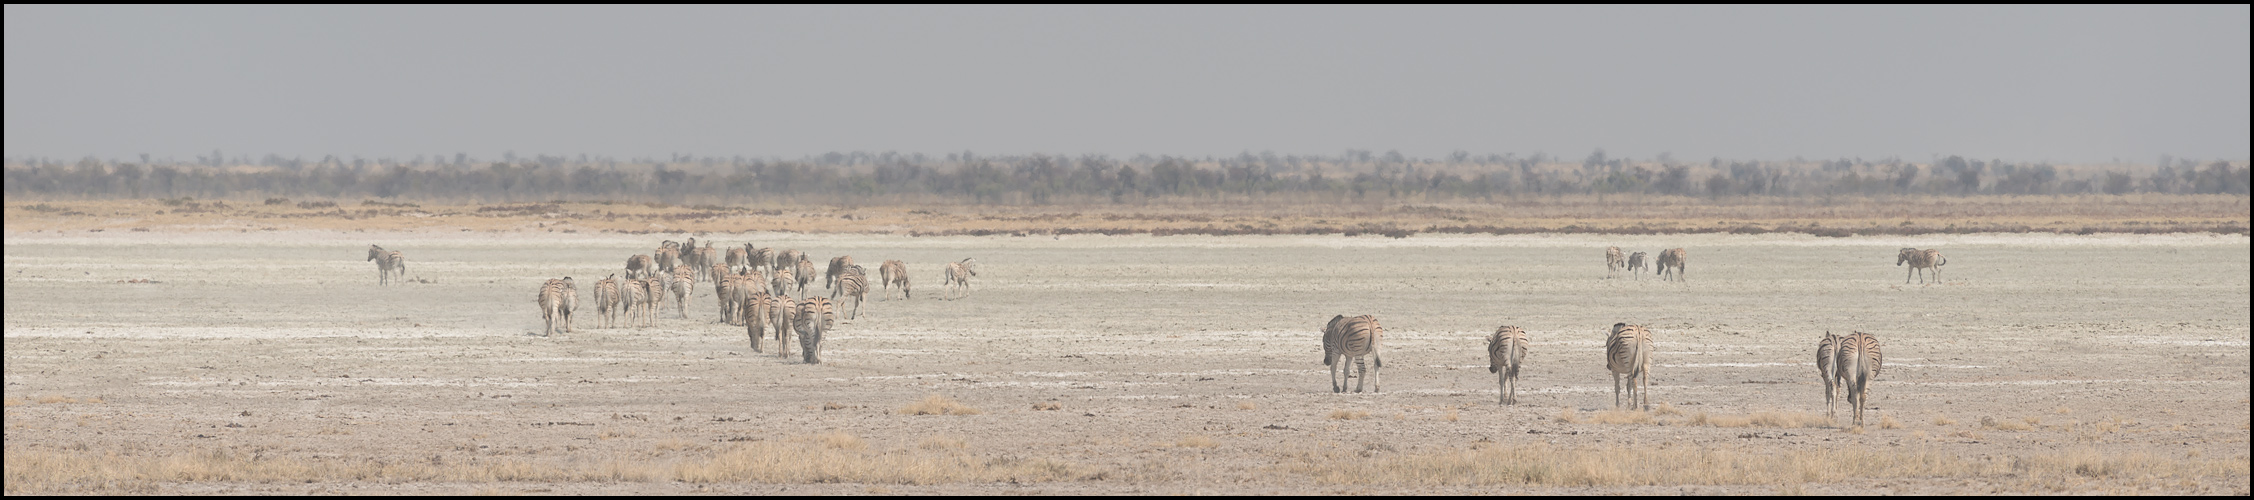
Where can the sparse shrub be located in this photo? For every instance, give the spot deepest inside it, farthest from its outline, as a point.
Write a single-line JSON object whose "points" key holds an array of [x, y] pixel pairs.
{"points": [[1888, 422], [1569, 416], [1944, 421], [1450, 416], [938, 405]]}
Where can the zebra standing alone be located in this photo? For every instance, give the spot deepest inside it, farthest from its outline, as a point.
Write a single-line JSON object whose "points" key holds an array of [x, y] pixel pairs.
{"points": [[959, 273], [894, 271], [1628, 352], [813, 320], [1612, 262], [1827, 351], [1671, 259], [1506, 349], [1930, 260], [557, 298], [1353, 340], [387, 264], [1636, 265], [1858, 360]]}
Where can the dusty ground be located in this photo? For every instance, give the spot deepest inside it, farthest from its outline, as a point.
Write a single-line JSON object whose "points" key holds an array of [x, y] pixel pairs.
{"points": [[271, 362]]}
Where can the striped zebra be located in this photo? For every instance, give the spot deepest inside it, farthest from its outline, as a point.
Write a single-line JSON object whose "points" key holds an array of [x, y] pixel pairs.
{"points": [[959, 273], [723, 286], [837, 266], [1671, 260], [852, 283], [893, 271], [1930, 260], [570, 302], [785, 259], [640, 266], [1612, 262], [606, 301], [1827, 351], [656, 288], [813, 320], [753, 309], [1628, 352], [1353, 340], [667, 259], [684, 281], [630, 298], [556, 300], [387, 263], [782, 281], [1856, 361], [783, 314], [805, 273], [739, 259], [761, 257], [689, 255], [1636, 265], [1506, 349]]}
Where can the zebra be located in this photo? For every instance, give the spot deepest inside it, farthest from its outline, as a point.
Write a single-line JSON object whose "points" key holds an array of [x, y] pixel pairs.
{"points": [[754, 310], [705, 260], [1506, 349], [606, 301], [959, 273], [1628, 352], [570, 302], [760, 257], [1612, 262], [1930, 260], [853, 282], [785, 259], [667, 259], [1671, 258], [684, 280], [782, 281], [1827, 351], [813, 320], [783, 312], [837, 266], [631, 299], [1636, 265], [805, 273], [551, 305], [387, 263], [1353, 340], [738, 259], [1857, 361], [640, 266], [689, 255], [892, 271], [656, 286]]}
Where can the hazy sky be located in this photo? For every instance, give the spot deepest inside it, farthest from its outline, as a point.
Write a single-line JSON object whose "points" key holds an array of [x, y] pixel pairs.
{"points": [[2062, 84]]}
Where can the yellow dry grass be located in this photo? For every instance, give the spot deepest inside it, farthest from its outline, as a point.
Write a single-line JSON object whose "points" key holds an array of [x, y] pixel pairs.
{"points": [[1888, 422], [1048, 406], [840, 440], [1665, 410], [1943, 421], [937, 443], [1554, 466], [1348, 415], [2004, 425], [1247, 405], [1567, 416], [12, 402], [1763, 419], [1620, 417], [1450, 416], [938, 405]]}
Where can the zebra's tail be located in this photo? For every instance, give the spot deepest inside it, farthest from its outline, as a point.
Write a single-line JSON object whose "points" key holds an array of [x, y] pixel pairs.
{"points": [[1943, 262]]}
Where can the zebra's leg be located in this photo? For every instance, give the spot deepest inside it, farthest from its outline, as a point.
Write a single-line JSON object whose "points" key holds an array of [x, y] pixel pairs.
{"points": [[1502, 387], [1362, 370], [1616, 390], [1377, 363]]}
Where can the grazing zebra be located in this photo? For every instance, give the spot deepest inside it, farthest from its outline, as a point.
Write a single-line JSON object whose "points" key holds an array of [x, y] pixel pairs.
{"points": [[387, 263], [785, 259], [813, 319], [606, 301], [782, 281], [1612, 262], [837, 266], [1353, 340], [805, 273], [1636, 265], [760, 257], [1857, 361], [684, 280], [853, 283], [959, 273], [640, 266], [667, 259], [893, 271], [1671, 260], [1506, 349], [753, 309], [1930, 260], [1827, 351], [738, 259], [1628, 352]]}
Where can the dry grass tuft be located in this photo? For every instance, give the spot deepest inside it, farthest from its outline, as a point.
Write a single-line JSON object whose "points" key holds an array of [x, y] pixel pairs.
{"points": [[2004, 425], [942, 443], [1763, 419], [938, 405], [1943, 421], [1553, 466], [52, 399], [1348, 415], [1569, 416], [2063, 410], [838, 440], [1196, 442], [1247, 405], [1888, 422], [1450, 416], [1665, 410], [677, 444], [1621, 417], [1048, 406]]}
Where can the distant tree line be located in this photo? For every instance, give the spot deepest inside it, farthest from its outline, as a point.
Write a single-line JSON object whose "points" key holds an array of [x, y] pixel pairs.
{"points": [[1039, 179]]}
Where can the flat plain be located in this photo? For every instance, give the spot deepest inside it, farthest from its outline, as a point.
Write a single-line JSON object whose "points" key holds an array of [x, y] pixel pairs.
{"points": [[272, 362]]}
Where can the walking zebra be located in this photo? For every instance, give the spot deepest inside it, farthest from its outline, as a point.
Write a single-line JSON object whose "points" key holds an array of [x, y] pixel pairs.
{"points": [[786, 259], [1671, 260], [1353, 340], [387, 264], [1628, 352], [782, 281], [684, 280], [724, 288], [631, 299], [805, 273], [640, 266], [606, 301], [837, 266], [1506, 348], [1636, 265], [557, 297], [760, 257], [893, 271], [1858, 360], [667, 259], [738, 259], [1930, 260], [1612, 262], [753, 309], [782, 312], [852, 283], [1827, 351], [813, 320], [959, 273], [656, 286]]}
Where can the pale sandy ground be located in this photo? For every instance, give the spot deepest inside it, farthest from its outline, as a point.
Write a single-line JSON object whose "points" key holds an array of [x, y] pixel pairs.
{"points": [[281, 344]]}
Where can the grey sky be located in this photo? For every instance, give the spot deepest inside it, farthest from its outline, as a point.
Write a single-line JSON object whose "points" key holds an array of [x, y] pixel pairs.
{"points": [[2062, 84]]}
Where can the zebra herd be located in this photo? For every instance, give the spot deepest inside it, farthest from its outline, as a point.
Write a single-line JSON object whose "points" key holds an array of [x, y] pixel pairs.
{"points": [[754, 288], [1669, 260]]}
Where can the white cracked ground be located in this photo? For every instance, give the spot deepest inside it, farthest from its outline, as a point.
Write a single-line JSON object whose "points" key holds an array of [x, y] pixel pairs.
{"points": [[274, 341]]}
